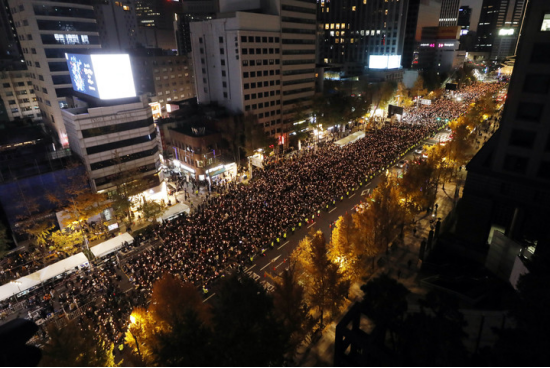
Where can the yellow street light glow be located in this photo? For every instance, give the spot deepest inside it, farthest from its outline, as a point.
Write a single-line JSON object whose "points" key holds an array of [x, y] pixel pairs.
{"points": [[132, 319]]}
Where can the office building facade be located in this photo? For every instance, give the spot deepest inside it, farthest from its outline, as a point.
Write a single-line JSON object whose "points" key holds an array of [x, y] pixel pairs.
{"points": [[352, 31], [508, 184], [259, 63], [164, 78], [17, 93], [46, 31], [192, 11], [499, 26], [114, 141], [117, 24], [448, 15]]}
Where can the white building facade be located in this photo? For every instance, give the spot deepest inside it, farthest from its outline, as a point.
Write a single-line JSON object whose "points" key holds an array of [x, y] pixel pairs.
{"points": [[18, 95], [113, 140], [262, 63], [46, 31]]}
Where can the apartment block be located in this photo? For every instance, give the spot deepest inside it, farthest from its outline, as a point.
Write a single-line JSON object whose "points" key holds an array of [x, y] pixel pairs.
{"points": [[17, 93], [114, 140], [46, 31]]}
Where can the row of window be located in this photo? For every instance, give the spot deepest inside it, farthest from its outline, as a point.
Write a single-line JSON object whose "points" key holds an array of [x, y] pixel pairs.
{"points": [[262, 84], [261, 105], [64, 25], [263, 39], [123, 159], [299, 20], [265, 73], [273, 122], [20, 93], [110, 178], [518, 164], [62, 11], [17, 84], [261, 62], [121, 144], [259, 51], [94, 132]]}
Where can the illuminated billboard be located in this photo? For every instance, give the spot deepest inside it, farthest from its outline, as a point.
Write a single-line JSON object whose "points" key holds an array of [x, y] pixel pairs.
{"points": [[384, 61], [506, 32], [107, 76]]}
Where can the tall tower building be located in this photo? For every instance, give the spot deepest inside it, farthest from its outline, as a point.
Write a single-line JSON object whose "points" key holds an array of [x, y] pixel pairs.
{"points": [[508, 184], [193, 11], [464, 15], [117, 24], [498, 28], [352, 31], [262, 62], [47, 30], [410, 33], [11, 55], [448, 16]]}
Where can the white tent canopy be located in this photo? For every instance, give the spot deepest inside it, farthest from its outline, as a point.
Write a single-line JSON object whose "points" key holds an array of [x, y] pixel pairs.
{"points": [[111, 245], [36, 278], [350, 139]]}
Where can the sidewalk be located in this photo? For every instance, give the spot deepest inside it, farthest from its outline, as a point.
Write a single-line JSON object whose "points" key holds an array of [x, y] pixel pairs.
{"points": [[321, 353]]}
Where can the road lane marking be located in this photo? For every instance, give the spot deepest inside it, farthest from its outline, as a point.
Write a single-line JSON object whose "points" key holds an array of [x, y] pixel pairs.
{"points": [[251, 267], [332, 210], [283, 245], [311, 225], [204, 301], [352, 195], [270, 262]]}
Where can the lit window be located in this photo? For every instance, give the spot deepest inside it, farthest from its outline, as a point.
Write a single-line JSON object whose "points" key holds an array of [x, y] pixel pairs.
{"points": [[327, 26], [386, 12], [353, 8], [545, 23], [332, 26], [126, 8], [59, 38]]}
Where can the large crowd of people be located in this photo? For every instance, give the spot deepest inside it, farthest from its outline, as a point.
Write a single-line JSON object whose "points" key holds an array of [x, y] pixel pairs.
{"points": [[233, 227]]}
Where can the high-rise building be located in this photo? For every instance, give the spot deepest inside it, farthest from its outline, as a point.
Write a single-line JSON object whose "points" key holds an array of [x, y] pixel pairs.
{"points": [[260, 62], [117, 24], [193, 11], [464, 15], [46, 31], [467, 38], [164, 78], [17, 93], [448, 15], [498, 29], [508, 184], [410, 33], [353, 31], [11, 55]]}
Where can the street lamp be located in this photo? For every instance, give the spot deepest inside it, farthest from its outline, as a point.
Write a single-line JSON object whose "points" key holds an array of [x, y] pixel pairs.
{"points": [[133, 320]]}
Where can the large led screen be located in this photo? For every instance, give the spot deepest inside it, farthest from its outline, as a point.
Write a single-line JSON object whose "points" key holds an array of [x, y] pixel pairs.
{"points": [[103, 76], [384, 61]]}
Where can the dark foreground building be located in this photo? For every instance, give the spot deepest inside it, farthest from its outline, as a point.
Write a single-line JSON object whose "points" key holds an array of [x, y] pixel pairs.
{"points": [[508, 184]]}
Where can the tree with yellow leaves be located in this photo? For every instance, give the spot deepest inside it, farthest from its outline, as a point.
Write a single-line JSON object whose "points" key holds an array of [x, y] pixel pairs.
{"points": [[175, 330], [291, 308], [325, 285], [345, 249], [75, 346], [384, 218]]}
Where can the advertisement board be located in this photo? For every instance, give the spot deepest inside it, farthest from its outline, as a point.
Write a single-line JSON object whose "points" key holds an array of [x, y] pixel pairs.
{"points": [[384, 61], [104, 76]]}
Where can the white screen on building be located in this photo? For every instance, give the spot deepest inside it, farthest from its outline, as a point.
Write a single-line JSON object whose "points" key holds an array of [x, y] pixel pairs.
{"points": [[112, 75], [384, 61]]}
